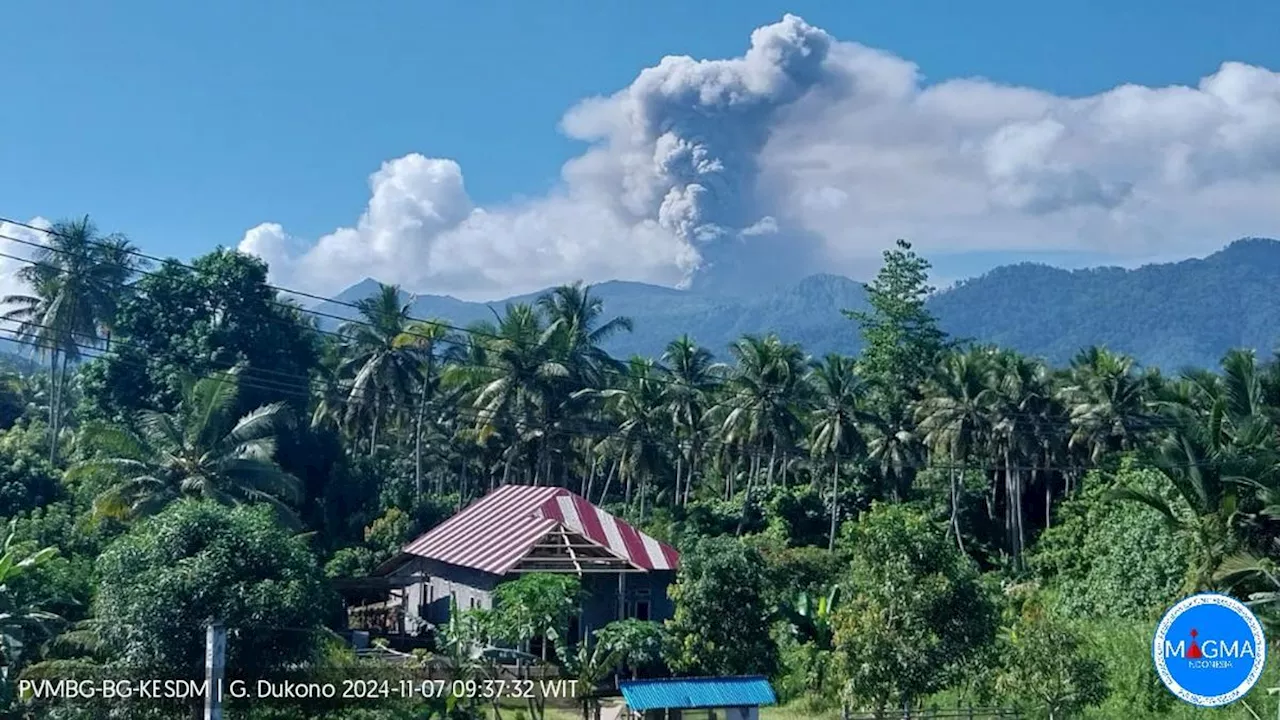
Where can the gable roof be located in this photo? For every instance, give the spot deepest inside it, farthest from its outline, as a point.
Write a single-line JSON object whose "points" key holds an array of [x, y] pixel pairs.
{"points": [[689, 693], [500, 530]]}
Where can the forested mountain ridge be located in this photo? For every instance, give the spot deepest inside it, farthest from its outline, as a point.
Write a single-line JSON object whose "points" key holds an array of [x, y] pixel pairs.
{"points": [[1169, 315]]}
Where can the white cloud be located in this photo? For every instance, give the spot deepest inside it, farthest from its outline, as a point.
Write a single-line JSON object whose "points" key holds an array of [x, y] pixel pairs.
{"points": [[807, 153], [9, 267]]}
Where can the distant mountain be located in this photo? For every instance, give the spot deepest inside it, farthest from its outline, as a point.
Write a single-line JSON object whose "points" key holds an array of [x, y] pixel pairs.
{"points": [[1168, 315]]}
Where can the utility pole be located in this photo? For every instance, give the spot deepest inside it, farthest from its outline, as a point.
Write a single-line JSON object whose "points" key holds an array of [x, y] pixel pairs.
{"points": [[215, 658]]}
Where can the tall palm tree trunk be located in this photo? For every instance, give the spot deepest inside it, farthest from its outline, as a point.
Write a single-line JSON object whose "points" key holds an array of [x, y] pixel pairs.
{"points": [[590, 482], [693, 461], [613, 469], [835, 501], [746, 495], [55, 422], [373, 431], [955, 504], [773, 460], [417, 443], [675, 496], [53, 405]]}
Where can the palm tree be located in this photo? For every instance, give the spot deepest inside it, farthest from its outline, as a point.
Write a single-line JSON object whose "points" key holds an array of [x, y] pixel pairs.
{"points": [[840, 395], [75, 284], [1221, 458], [1022, 406], [955, 417], [516, 373], [427, 337], [894, 449], [574, 319], [199, 451], [18, 620], [692, 381], [573, 314], [1108, 402], [643, 422], [765, 388], [381, 366]]}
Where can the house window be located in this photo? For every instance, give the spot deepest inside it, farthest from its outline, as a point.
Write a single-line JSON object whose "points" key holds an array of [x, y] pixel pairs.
{"points": [[473, 604], [642, 610]]}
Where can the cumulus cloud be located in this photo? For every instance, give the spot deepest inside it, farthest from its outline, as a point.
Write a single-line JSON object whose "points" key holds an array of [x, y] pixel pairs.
{"points": [[9, 266], [810, 153]]}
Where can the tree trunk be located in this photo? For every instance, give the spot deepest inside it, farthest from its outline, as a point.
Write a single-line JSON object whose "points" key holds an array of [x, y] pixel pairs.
{"points": [[373, 432], [835, 501], [417, 441], [693, 465], [53, 406], [626, 486], [773, 460], [746, 496], [955, 505], [589, 485], [608, 480], [675, 497], [506, 467]]}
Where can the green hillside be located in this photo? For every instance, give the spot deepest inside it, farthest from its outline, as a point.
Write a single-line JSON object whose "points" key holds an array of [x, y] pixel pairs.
{"points": [[1169, 315]]}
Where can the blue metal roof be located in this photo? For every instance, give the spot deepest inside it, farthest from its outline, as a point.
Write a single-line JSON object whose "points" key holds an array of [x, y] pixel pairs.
{"points": [[687, 693]]}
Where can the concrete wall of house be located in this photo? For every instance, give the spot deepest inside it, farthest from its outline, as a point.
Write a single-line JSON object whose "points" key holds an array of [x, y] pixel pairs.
{"points": [[429, 585], [471, 589]]}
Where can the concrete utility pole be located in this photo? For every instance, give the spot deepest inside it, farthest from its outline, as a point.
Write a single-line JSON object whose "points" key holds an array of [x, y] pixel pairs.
{"points": [[215, 658]]}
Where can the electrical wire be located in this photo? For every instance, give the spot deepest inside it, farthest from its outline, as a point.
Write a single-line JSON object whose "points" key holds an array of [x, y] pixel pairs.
{"points": [[469, 332]]}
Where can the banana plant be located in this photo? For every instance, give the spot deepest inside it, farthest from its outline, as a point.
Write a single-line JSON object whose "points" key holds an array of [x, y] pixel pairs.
{"points": [[18, 620], [812, 615]]}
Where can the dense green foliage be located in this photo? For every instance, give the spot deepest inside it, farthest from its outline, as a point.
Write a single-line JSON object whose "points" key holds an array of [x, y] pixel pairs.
{"points": [[917, 613], [919, 523], [162, 583], [721, 611]]}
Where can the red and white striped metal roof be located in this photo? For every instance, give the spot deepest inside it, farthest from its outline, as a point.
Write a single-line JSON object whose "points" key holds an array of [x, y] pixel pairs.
{"points": [[496, 532]]}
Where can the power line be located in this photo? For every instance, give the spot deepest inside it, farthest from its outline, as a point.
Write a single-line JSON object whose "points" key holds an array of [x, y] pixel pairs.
{"points": [[606, 431], [467, 331], [1034, 418]]}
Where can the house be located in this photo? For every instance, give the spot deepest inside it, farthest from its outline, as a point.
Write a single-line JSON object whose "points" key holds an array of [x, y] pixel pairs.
{"points": [[713, 698], [519, 529]]}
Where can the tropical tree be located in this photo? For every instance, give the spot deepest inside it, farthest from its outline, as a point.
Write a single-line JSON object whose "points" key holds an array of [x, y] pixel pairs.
{"points": [[1221, 459], [692, 382], [436, 346], [955, 417], [516, 373], [1109, 403], [918, 613], [19, 620], [760, 409], [199, 451], [75, 283], [381, 362], [643, 423], [839, 394]]}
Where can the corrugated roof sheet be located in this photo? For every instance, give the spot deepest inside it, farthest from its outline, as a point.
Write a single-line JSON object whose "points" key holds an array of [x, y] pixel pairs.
{"points": [[495, 532], [689, 693]]}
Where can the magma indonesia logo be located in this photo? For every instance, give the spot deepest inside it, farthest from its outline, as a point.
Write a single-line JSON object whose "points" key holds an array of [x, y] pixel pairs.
{"points": [[1209, 650]]}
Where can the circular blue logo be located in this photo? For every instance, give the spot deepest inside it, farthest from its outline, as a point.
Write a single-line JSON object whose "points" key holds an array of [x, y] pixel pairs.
{"points": [[1209, 650]]}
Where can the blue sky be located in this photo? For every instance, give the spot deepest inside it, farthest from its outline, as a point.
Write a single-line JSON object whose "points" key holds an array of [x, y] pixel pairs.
{"points": [[187, 124]]}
